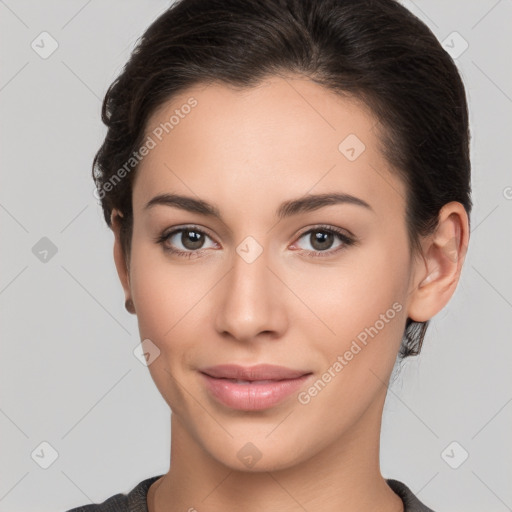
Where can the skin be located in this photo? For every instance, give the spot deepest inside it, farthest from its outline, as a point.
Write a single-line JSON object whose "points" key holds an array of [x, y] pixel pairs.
{"points": [[246, 151]]}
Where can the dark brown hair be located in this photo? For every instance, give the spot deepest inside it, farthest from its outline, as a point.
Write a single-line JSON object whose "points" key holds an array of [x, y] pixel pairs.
{"points": [[374, 50]]}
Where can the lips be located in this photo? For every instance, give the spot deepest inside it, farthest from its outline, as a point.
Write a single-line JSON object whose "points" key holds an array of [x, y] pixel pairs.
{"points": [[253, 388], [260, 372]]}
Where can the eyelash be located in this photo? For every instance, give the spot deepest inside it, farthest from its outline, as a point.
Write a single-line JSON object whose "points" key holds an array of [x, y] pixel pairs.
{"points": [[347, 241]]}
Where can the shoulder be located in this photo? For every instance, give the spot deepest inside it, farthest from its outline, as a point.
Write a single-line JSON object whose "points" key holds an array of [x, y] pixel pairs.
{"points": [[411, 502], [134, 501]]}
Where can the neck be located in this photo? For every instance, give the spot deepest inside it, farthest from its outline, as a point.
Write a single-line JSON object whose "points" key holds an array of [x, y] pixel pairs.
{"points": [[343, 476]]}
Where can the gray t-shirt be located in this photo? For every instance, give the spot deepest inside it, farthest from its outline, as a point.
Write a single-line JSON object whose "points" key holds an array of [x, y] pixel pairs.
{"points": [[136, 499]]}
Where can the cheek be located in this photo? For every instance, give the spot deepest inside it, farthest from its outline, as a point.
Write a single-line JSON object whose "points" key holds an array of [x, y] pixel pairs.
{"points": [[161, 289], [173, 303], [167, 299], [365, 322], [344, 300], [361, 313]]}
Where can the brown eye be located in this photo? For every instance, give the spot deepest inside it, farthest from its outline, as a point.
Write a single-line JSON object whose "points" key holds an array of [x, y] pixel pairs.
{"points": [[185, 241], [192, 239], [322, 240]]}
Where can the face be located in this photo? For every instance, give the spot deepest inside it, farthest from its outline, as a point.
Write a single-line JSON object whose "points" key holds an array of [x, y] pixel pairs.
{"points": [[318, 287]]}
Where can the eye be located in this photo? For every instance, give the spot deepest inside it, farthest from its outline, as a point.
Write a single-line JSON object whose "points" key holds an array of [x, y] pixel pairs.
{"points": [[322, 238], [189, 241], [184, 241]]}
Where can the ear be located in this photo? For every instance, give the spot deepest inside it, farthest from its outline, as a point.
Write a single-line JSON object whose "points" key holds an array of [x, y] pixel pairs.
{"points": [[437, 274], [120, 260]]}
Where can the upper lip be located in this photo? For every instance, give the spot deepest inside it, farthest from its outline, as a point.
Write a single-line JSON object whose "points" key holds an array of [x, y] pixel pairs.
{"points": [[250, 373]]}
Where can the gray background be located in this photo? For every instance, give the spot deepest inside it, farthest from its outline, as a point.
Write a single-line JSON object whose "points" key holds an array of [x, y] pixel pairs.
{"points": [[68, 374]]}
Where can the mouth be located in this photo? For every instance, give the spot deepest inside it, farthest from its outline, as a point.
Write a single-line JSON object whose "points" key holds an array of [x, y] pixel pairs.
{"points": [[259, 372], [237, 381], [252, 388]]}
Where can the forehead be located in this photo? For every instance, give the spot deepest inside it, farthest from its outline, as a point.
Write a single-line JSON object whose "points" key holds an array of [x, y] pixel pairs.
{"points": [[246, 148]]}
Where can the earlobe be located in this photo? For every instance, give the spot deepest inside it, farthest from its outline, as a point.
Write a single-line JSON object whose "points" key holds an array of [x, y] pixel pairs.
{"points": [[438, 273]]}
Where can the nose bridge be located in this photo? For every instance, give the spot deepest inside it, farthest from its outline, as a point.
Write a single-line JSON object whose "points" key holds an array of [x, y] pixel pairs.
{"points": [[249, 305]]}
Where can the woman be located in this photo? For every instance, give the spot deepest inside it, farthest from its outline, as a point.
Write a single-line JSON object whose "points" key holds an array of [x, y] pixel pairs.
{"points": [[242, 138]]}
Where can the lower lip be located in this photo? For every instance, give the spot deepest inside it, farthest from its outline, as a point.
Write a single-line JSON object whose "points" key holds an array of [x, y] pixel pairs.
{"points": [[252, 397]]}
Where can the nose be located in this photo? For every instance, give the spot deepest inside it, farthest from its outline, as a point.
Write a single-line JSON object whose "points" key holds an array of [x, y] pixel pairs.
{"points": [[251, 303]]}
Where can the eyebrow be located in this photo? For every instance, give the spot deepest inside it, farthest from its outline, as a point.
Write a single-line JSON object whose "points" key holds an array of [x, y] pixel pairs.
{"points": [[286, 209]]}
